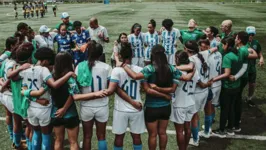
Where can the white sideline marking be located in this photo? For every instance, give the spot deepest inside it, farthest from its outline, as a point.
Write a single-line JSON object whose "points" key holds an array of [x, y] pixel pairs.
{"points": [[172, 132]]}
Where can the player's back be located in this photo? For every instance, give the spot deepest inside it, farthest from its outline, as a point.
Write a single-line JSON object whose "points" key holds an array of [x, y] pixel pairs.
{"points": [[215, 63]]}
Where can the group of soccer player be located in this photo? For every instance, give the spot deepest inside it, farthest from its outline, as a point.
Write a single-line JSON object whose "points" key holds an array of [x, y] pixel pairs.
{"points": [[41, 86], [35, 8]]}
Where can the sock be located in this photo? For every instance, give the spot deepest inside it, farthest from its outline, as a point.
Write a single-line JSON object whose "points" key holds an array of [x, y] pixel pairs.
{"points": [[137, 147], [28, 143], [10, 131], [118, 148], [195, 132], [102, 145], [36, 140], [208, 123], [213, 116], [46, 141], [17, 139]]}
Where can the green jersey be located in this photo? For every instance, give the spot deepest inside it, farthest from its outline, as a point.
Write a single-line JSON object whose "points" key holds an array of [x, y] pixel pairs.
{"points": [[33, 59], [254, 44], [191, 35], [223, 35], [69, 26], [232, 61], [243, 56]]}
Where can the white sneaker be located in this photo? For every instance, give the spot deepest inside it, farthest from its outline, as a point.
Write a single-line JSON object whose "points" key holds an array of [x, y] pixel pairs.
{"points": [[203, 134], [203, 127], [80, 144], [193, 143]]}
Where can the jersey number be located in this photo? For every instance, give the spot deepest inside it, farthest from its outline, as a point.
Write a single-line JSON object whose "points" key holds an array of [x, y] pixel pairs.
{"points": [[131, 90], [99, 84], [186, 86], [33, 83], [218, 67]]}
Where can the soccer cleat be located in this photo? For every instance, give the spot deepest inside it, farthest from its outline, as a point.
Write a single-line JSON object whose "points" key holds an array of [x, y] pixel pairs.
{"points": [[205, 135], [237, 129], [219, 133], [230, 132], [250, 103], [193, 143]]}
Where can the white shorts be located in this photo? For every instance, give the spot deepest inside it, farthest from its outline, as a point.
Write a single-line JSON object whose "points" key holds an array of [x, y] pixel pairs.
{"points": [[39, 116], [170, 58], [216, 95], [138, 61], [135, 121], [200, 100], [101, 114], [7, 101], [181, 115]]}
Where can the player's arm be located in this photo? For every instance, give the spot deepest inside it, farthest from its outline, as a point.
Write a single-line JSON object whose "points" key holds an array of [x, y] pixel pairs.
{"points": [[226, 74], [58, 83], [188, 76], [155, 93], [89, 96], [131, 73], [4, 84], [188, 67], [252, 54], [165, 90], [213, 50], [61, 111], [261, 61], [204, 85], [13, 73]]}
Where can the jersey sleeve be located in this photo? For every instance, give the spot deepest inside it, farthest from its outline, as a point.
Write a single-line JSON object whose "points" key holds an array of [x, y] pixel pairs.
{"points": [[226, 62], [46, 74], [178, 34], [147, 71], [109, 72], [73, 87], [115, 77], [196, 77], [4, 56]]}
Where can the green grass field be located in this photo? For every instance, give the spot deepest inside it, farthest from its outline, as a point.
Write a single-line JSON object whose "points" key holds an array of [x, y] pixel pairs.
{"points": [[119, 18]]}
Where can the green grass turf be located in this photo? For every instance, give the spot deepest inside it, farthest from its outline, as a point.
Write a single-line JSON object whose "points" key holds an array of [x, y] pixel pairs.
{"points": [[119, 18]]}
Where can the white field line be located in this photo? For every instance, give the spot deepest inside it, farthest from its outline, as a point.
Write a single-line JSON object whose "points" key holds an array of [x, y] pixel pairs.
{"points": [[172, 132]]}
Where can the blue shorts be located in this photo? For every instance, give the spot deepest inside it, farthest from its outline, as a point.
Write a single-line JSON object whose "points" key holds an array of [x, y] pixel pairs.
{"points": [[210, 95]]}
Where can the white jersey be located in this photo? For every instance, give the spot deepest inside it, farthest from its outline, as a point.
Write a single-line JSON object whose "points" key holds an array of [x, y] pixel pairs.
{"points": [[204, 76], [215, 64], [10, 63], [34, 78], [94, 34], [101, 73], [137, 44], [169, 39], [184, 92], [116, 49], [129, 85], [45, 41], [214, 43], [150, 40]]}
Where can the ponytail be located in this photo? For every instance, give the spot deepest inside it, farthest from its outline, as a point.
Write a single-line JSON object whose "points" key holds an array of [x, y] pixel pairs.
{"points": [[95, 51]]}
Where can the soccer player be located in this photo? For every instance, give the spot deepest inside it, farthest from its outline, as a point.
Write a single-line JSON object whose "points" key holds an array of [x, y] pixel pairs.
{"points": [[254, 44], [16, 10], [80, 38], [46, 38], [127, 112], [99, 34], [122, 39], [192, 33], [24, 10], [215, 62], [158, 108], [136, 39], [28, 10], [31, 35], [65, 20], [32, 10], [37, 8], [93, 75], [54, 6], [211, 33], [170, 36], [63, 39], [151, 38], [42, 10], [39, 111], [231, 65]]}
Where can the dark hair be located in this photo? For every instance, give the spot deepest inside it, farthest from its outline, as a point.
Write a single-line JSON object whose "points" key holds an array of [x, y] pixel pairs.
{"points": [[95, 51], [30, 30], [152, 22], [136, 25], [162, 68], [181, 57], [120, 35], [24, 52], [231, 44], [193, 47], [204, 41], [45, 53], [19, 36], [63, 64], [167, 23], [126, 51], [214, 30], [11, 41], [60, 26], [77, 24], [243, 36], [21, 25]]}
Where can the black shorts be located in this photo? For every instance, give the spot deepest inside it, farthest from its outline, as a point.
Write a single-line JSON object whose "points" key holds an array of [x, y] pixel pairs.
{"points": [[210, 95], [69, 123], [252, 77], [54, 9], [152, 114]]}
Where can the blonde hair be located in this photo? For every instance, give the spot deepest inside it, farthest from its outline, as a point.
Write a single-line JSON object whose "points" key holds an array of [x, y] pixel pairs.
{"points": [[228, 23]]}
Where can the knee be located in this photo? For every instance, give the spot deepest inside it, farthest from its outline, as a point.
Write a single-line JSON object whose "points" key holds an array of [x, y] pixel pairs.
{"points": [[162, 133], [88, 135], [137, 139], [100, 136], [119, 140]]}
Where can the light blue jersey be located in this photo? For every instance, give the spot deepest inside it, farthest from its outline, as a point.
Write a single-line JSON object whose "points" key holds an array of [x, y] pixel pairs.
{"points": [[137, 44], [150, 41], [214, 43], [169, 39]]}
